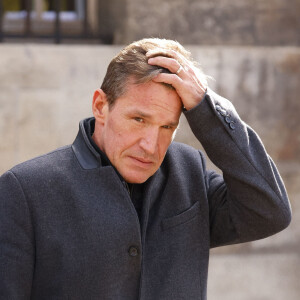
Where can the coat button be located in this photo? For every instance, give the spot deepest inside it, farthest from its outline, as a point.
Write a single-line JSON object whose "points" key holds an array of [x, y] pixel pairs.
{"points": [[227, 119], [133, 251], [232, 126], [218, 107], [223, 112]]}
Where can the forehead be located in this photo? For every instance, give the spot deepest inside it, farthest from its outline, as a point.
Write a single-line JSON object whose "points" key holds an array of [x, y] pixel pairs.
{"points": [[151, 96]]}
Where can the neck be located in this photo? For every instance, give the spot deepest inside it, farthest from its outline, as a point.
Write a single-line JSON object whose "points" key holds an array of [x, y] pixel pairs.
{"points": [[96, 136]]}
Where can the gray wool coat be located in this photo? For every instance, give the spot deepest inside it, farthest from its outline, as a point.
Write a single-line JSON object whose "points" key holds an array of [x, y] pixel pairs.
{"points": [[69, 230]]}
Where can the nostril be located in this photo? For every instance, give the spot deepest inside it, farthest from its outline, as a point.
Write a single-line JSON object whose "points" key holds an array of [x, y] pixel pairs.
{"points": [[148, 145]]}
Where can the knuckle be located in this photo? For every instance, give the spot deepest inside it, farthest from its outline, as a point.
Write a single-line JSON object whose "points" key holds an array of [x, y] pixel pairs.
{"points": [[174, 53], [174, 63]]}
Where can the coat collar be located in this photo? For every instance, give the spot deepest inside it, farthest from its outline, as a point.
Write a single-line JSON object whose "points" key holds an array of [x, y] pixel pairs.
{"points": [[89, 158], [84, 151]]}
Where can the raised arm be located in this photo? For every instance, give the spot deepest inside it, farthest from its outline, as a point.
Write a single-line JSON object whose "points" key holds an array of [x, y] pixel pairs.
{"points": [[249, 201]]}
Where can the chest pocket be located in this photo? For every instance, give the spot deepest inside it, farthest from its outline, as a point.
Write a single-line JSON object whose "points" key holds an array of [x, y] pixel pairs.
{"points": [[182, 218]]}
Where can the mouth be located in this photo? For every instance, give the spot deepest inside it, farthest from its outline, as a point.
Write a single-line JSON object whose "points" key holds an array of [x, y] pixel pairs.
{"points": [[142, 162]]}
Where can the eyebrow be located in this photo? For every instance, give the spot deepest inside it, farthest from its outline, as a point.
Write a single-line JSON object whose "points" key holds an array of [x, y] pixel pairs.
{"points": [[148, 116]]}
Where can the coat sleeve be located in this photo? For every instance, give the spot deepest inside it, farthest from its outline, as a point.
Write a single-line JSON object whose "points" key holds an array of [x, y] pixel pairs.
{"points": [[16, 240], [249, 201]]}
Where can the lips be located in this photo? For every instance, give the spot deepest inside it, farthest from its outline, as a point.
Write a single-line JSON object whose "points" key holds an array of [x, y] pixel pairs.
{"points": [[141, 161]]}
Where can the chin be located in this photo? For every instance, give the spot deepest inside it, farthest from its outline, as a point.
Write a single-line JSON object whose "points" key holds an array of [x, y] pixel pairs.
{"points": [[136, 179]]}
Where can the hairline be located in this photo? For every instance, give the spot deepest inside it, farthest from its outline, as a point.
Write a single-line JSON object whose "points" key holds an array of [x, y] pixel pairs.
{"points": [[132, 79]]}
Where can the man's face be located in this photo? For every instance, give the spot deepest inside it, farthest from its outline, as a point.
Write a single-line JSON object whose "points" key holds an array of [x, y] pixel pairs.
{"points": [[138, 129]]}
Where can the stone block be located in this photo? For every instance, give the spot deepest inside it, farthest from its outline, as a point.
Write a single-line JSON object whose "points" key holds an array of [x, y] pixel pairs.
{"points": [[29, 67], [8, 128], [263, 84], [217, 22], [277, 23], [254, 277], [37, 122]]}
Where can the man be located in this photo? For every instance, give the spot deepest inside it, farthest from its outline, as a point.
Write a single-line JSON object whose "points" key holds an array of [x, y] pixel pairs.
{"points": [[124, 212]]}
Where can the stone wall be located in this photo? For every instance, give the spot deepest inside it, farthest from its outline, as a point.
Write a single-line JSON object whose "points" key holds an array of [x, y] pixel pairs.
{"points": [[203, 22], [45, 90]]}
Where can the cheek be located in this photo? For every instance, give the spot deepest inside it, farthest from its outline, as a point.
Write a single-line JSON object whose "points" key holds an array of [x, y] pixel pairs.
{"points": [[115, 130], [111, 140], [164, 143], [120, 139]]}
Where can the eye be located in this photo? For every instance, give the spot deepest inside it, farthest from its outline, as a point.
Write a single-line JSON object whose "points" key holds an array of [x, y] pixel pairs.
{"points": [[167, 127], [140, 120]]}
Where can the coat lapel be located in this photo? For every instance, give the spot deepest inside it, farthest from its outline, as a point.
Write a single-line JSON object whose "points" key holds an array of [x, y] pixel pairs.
{"points": [[154, 188]]}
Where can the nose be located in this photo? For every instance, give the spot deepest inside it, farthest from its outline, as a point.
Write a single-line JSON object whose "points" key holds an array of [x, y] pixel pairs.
{"points": [[149, 140]]}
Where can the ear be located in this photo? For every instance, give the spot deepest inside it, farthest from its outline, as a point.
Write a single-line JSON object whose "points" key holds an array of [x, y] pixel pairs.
{"points": [[100, 105]]}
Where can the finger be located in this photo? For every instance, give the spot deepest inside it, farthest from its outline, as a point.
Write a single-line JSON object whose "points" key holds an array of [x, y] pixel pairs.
{"points": [[163, 52], [179, 70], [169, 53], [171, 79], [158, 52], [168, 63]]}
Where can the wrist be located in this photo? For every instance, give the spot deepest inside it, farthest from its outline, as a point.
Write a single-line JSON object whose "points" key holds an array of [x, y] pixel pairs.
{"points": [[196, 102]]}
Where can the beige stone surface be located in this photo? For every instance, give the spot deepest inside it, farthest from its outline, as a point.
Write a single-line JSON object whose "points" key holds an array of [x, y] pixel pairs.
{"points": [[215, 22], [45, 91], [8, 129], [37, 122], [255, 277], [263, 84]]}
